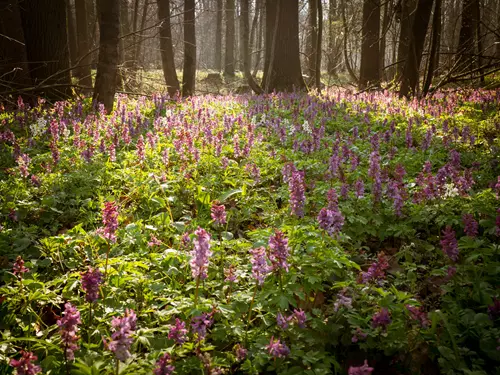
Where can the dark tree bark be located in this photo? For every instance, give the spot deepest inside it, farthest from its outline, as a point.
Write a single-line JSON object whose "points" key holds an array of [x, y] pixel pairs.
{"points": [[13, 66], [313, 39], [405, 12], [318, 45], [218, 36], [466, 50], [260, 36], [253, 30], [189, 67], [347, 62], [370, 54], [72, 45], [109, 25], [244, 28], [138, 45], [166, 48], [84, 57], [433, 54], [48, 56], [409, 79], [334, 46], [230, 31], [386, 22], [283, 71]]}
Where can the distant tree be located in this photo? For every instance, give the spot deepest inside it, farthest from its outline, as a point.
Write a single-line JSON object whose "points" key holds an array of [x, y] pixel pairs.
{"points": [[405, 13], [72, 44], [230, 39], [434, 53], [410, 76], [370, 55], [386, 22], [109, 25], [45, 34], [84, 57], [313, 39], [334, 49], [189, 67], [282, 63], [466, 51], [319, 39], [218, 36], [166, 48], [245, 47]]}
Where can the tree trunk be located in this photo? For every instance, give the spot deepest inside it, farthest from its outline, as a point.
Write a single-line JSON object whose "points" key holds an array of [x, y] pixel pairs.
{"points": [[386, 22], [44, 25], [84, 58], [370, 58], [283, 61], [436, 35], [218, 37], [166, 48], [244, 28], [313, 40], [466, 41], [138, 46], [13, 59], [73, 49], [497, 50], [406, 10], [409, 79], [333, 40], [348, 66], [318, 45], [189, 67], [260, 37], [253, 30], [230, 30], [109, 25]]}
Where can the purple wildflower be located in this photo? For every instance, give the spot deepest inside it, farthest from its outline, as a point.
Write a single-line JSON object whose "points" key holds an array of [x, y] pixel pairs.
{"points": [[23, 161], [121, 339], [24, 366], [494, 309], [218, 213], [301, 318], [449, 243], [330, 220], [277, 349], [201, 323], [110, 221], [359, 187], [283, 320], [470, 225], [358, 334], [497, 223], [154, 241], [381, 319], [260, 268], [332, 199], [164, 365], [278, 245], [241, 352], [342, 301], [418, 315], [376, 270], [230, 274], [200, 254], [140, 148], [361, 370], [178, 332], [90, 283], [68, 327], [18, 267], [297, 193]]}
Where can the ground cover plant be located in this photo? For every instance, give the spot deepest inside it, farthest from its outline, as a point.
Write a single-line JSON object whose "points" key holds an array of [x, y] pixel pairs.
{"points": [[286, 233]]}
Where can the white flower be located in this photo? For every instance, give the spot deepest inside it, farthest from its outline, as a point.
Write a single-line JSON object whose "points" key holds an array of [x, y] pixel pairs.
{"points": [[306, 127], [38, 128], [450, 191]]}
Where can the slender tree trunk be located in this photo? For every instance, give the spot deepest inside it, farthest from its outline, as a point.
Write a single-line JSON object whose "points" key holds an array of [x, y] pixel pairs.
{"points": [[313, 40], [386, 22], [479, 40], [109, 25], [318, 45], [253, 31], [407, 14], [497, 50], [244, 28], [218, 37], [347, 61], [436, 35], [138, 46], [230, 30], [189, 67], [48, 56], [466, 41], [260, 37], [283, 61], [370, 56], [84, 57], [13, 59], [409, 79], [70, 22], [166, 48]]}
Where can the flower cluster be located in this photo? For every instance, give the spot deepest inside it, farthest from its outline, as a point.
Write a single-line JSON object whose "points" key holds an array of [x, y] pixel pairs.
{"points": [[201, 323], [381, 319], [241, 352], [418, 315], [296, 186], [200, 254], [230, 274], [19, 268], [331, 221], [470, 225], [218, 213], [342, 300], [164, 365], [279, 251], [361, 370], [260, 267], [23, 161], [68, 327], [121, 339], [24, 365], [277, 349], [110, 221], [91, 279], [449, 243], [376, 270], [178, 332]]}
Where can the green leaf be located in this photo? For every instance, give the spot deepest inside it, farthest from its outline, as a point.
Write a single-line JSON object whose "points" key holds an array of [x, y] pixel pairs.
{"points": [[227, 194]]}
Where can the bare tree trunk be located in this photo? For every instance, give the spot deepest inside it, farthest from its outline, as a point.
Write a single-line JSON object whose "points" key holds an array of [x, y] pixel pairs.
{"points": [[218, 37], [313, 40], [466, 41], [48, 56], [245, 47], [109, 24], [230, 30], [497, 50], [370, 56], [386, 22], [283, 61], [406, 9], [166, 48], [189, 67], [70, 22], [260, 37], [84, 57], [436, 35], [318, 45], [409, 79], [347, 62], [253, 30], [13, 59]]}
